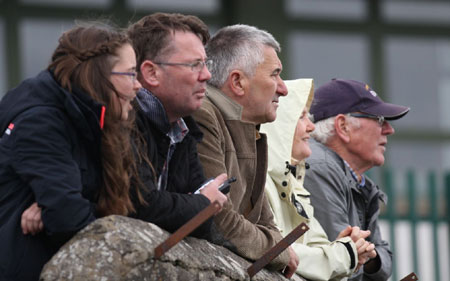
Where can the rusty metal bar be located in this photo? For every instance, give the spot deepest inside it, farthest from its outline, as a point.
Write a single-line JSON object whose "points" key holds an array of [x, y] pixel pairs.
{"points": [[410, 277], [187, 228], [277, 249]]}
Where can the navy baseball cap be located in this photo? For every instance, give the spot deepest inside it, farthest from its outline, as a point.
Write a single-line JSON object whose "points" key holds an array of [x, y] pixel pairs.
{"points": [[341, 96]]}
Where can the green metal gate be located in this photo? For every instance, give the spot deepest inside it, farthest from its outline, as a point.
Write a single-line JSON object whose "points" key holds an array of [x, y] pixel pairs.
{"points": [[414, 205]]}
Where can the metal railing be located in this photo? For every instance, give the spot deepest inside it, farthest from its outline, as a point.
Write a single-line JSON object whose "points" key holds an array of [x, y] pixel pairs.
{"points": [[415, 207]]}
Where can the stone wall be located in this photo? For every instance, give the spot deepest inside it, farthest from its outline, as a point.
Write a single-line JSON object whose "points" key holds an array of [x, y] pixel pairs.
{"points": [[121, 248]]}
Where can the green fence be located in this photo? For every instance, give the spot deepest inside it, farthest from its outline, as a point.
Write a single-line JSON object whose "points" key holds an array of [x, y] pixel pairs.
{"points": [[413, 204]]}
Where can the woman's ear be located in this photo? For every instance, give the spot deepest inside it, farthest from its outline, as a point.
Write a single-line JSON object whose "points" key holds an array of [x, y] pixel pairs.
{"points": [[150, 73], [342, 128]]}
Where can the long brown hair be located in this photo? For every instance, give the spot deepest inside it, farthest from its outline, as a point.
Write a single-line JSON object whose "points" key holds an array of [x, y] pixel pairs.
{"points": [[84, 59]]}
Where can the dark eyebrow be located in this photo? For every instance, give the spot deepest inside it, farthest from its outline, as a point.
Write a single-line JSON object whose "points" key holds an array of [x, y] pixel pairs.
{"points": [[199, 58]]}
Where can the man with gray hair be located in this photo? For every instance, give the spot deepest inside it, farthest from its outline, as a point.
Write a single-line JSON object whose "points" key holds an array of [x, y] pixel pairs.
{"points": [[243, 93], [350, 138]]}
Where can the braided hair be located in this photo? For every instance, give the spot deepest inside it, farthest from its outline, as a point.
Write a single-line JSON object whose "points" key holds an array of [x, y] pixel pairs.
{"points": [[84, 59]]}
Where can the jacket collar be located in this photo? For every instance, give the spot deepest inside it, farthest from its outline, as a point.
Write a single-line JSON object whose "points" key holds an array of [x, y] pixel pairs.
{"points": [[230, 109], [86, 111], [194, 130], [375, 190], [332, 156], [329, 153], [153, 109]]}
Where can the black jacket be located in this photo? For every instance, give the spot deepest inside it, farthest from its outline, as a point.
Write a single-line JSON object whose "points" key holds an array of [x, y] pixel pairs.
{"points": [[173, 207], [49, 154]]}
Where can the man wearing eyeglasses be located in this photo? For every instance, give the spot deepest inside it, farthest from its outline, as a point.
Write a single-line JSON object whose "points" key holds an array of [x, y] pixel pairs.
{"points": [[352, 125], [171, 66]]}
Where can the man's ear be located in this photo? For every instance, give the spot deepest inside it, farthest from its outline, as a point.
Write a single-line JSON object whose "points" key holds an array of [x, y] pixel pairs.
{"points": [[238, 83], [342, 128], [150, 73]]}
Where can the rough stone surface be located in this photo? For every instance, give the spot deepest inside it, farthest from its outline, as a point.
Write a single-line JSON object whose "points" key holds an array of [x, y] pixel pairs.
{"points": [[121, 248]]}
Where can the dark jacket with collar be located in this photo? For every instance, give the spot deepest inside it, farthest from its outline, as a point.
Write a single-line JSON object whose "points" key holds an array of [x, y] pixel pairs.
{"points": [[339, 202], [50, 154], [173, 207]]}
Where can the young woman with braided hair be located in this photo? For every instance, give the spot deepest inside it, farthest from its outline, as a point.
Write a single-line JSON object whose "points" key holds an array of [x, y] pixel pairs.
{"points": [[65, 149]]}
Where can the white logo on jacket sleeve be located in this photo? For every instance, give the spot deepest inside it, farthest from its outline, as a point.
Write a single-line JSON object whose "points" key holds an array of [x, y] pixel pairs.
{"points": [[9, 129]]}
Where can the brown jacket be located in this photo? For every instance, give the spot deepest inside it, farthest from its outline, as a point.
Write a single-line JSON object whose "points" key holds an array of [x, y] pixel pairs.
{"points": [[235, 147]]}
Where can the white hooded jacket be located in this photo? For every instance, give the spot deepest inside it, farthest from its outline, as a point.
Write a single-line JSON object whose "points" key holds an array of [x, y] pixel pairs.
{"points": [[319, 259]]}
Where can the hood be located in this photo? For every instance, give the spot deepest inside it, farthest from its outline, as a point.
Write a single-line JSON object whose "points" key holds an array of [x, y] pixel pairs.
{"points": [[280, 133]]}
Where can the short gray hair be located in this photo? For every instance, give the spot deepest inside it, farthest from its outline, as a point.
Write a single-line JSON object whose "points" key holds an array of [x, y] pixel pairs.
{"points": [[325, 128], [237, 46]]}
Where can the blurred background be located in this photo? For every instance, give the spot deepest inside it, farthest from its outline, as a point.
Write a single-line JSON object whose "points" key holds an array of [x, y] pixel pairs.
{"points": [[401, 48]]}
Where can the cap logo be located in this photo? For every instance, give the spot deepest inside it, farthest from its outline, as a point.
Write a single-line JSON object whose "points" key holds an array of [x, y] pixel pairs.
{"points": [[370, 91]]}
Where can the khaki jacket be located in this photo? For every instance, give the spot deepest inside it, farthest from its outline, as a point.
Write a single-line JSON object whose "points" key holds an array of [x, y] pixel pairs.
{"points": [[235, 147], [319, 258]]}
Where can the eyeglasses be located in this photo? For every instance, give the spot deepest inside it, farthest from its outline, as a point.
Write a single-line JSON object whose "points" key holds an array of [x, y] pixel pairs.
{"points": [[380, 119], [133, 75], [195, 66]]}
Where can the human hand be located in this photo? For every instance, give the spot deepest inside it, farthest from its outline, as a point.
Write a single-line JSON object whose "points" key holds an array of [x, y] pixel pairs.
{"points": [[354, 232], [366, 251], [357, 233], [211, 191], [292, 265], [373, 264], [31, 221], [345, 232]]}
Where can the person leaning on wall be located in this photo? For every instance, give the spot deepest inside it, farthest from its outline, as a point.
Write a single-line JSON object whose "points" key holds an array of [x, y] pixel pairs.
{"points": [[164, 142], [288, 135], [352, 127], [242, 94], [171, 63], [65, 146]]}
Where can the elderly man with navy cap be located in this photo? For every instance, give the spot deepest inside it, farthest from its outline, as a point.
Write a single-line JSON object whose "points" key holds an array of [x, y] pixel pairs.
{"points": [[352, 125]]}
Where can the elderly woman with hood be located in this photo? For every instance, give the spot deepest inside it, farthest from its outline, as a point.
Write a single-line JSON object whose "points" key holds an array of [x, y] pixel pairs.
{"points": [[288, 135]]}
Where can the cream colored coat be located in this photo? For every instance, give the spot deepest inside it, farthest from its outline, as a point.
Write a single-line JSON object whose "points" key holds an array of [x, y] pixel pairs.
{"points": [[319, 258]]}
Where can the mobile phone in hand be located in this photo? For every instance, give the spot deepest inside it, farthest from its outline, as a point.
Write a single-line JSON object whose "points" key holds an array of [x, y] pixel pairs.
{"points": [[225, 186], [204, 185]]}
